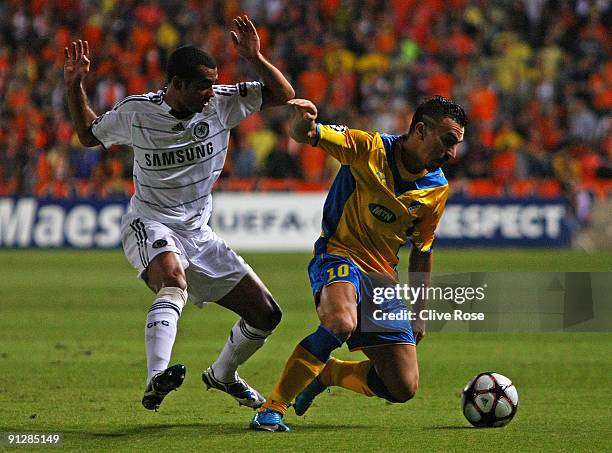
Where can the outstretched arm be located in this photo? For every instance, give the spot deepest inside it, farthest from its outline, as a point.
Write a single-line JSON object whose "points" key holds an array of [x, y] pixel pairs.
{"points": [[303, 128], [76, 67], [419, 269], [276, 88]]}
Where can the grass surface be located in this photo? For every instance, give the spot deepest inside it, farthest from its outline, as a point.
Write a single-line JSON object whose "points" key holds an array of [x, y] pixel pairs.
{"points": [[72, 360]]}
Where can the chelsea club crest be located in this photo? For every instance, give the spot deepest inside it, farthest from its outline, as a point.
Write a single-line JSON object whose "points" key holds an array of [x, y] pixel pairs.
{"points": [[200, 130]]}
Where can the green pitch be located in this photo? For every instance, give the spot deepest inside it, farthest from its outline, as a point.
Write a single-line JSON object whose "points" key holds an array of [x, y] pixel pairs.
{"points": [[72, 360]]}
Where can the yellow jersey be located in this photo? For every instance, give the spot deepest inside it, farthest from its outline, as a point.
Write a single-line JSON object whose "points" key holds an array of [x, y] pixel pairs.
{"points": [[375, 204]]}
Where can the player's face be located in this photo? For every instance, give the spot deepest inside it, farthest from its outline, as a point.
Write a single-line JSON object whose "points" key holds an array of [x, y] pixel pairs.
{"points": [[440, 142], [197, 93]]}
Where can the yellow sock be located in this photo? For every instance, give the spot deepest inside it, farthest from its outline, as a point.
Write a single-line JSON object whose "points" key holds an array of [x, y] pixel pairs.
{"points": [[301, 368], [349, 375]]}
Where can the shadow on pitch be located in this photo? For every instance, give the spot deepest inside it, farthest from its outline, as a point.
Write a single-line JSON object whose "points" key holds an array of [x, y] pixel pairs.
{"points": [[211, 428], [304, 428], [448, 427], [223, 429]]}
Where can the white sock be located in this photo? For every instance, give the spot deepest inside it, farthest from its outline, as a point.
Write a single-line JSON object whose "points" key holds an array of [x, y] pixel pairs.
{"points": [[160, 328], [242, 343]]}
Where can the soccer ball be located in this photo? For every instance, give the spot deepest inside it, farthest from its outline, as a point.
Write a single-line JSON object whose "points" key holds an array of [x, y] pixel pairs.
{"points": [[489, 400]]}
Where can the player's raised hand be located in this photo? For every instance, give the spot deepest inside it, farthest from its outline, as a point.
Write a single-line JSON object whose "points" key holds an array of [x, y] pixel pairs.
{"points": [[76, 62], [305, 108], [246, 39], [302, 128]]}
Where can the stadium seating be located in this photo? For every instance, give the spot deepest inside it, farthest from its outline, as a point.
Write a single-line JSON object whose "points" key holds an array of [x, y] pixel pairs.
{"points": [[276, 185], [484, 188], [518, 122], [549, 188]]}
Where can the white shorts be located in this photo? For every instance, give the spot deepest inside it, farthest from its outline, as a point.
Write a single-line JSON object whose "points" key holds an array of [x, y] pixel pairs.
{"points": [[211, 267]]}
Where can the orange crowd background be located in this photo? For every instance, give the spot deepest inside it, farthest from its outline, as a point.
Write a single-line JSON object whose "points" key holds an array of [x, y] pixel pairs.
{"points": [[534, 76]]}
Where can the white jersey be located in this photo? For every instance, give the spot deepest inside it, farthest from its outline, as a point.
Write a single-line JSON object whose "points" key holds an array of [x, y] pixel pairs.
{"points": [[176, 162]]}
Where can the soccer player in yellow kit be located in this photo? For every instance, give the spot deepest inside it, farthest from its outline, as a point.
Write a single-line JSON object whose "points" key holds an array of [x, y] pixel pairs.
{"points": [[390, 188]]}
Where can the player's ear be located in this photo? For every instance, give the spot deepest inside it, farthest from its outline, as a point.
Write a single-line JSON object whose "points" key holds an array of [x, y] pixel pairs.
{"points": [[177, 83], [420, 128]]}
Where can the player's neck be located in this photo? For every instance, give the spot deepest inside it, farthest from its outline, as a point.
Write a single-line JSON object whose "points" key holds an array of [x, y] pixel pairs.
{"points": [[409, 167]]}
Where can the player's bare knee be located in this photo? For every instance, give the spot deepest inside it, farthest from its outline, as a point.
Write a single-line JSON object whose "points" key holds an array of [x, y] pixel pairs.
{"points": [[275, 315], [271, 314], [342, 326], [265, 314], [406, 390], [410, 391]]}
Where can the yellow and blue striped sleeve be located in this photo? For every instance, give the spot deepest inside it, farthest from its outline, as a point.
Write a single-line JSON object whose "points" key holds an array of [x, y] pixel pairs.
{"points": [[342, 143]]}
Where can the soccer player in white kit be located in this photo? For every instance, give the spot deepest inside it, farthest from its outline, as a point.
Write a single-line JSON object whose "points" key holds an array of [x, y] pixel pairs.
{"points": [[180, 136]]}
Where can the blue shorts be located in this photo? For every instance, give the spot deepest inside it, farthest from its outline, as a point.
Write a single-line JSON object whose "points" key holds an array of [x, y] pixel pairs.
{"points": [[325, 269]]}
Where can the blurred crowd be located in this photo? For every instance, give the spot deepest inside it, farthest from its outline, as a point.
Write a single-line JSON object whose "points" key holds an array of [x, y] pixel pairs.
{"points": [[534, 76]]}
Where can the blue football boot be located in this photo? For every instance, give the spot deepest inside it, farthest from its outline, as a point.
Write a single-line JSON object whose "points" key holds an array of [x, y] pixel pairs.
{"points": [[269, 420]]}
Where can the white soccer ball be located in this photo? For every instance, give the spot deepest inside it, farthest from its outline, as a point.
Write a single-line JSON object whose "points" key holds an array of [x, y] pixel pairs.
{"points": [[489, 400]]}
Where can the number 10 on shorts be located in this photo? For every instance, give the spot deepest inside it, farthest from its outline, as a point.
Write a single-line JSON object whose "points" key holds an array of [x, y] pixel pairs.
{"points": [[340, 271]]}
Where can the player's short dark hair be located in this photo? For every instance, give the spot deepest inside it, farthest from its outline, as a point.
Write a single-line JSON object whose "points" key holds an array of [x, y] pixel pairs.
{"points": [[184, 61], [437, 108]]}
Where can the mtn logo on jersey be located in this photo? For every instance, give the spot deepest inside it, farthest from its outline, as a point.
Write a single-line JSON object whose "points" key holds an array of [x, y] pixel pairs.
{"points": [[200, 130], [178, 128], [414, 206], [381, 213]]}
